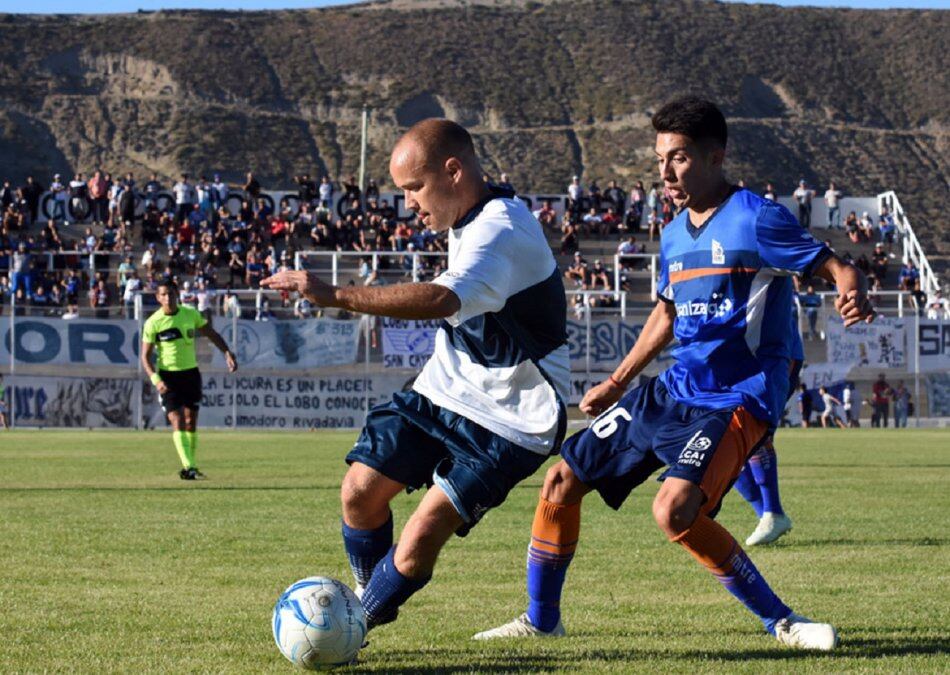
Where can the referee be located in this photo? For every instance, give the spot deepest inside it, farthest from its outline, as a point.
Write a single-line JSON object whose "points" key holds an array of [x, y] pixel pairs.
{"points": [[172, 330]]}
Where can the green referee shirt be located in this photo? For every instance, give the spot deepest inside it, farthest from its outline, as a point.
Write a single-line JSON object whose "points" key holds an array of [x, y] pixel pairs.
{"points": [[174, 337]]}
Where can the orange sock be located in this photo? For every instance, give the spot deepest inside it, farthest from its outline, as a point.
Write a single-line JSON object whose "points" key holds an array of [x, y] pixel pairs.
{"points": [[555, 528], [710, 543]]}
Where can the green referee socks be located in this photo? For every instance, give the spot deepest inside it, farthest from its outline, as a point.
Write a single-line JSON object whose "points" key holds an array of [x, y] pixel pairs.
{"points": [[191, 444], [183, 447]]}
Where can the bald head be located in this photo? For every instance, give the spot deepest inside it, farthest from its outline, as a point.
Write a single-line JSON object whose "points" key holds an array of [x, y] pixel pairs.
{"points": [[433, 141]]}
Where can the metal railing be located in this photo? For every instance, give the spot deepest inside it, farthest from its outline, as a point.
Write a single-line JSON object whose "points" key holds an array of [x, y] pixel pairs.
{"points": [[912, 250], [374, 256]]}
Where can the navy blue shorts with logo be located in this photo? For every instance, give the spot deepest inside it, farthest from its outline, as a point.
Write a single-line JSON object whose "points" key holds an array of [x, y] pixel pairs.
{"points": [[649, 429], [413, 441]]}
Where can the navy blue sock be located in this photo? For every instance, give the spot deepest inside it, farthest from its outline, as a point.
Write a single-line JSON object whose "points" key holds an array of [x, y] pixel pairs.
{"points": [[764, 465], [388, 590], [365, 548], [745, 485]]}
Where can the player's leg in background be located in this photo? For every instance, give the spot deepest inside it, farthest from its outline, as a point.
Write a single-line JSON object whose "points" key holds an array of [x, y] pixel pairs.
{"points": [[554, 537], [367, 519], [407, 567], [747, 487], [773, 522]]}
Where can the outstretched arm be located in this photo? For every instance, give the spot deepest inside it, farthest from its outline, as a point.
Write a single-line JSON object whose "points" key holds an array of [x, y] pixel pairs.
{"points": [[657, 333], [400, 301], [218, 341]]}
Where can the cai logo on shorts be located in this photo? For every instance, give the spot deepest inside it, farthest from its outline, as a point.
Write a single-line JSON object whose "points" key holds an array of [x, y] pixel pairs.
{"points": [[694, 452]]}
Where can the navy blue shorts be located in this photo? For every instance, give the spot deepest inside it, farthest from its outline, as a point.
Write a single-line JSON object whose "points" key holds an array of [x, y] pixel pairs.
{"points": [[648, 429], [415, 442]]}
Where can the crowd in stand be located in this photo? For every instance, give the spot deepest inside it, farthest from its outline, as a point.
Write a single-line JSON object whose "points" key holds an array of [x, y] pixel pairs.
{"points": [[200, 238]]}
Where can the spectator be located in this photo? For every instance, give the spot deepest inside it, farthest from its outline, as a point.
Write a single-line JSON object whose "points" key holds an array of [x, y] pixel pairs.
{"points": [[231, 305], [21, 277], [99, 299], [578, 271], [653, 201], [326, 193], [372, 191], [879, 261], [184, 198], [60, 200], [99, 196], [829, 402], [264, 312], [592, 221], [78, 197], [131, 285], [654, 226], [252, 188], [599, 276], [32, 192], [811, 301], [847, 395], [575, 196], [888, 228], [769, 192], [505, 184], [909, 278], [546, 215], [303, 308], [852, 228], [938, 307], [803, 196], [569, 243], [866, 225], [902, 405], [152, 188], [615, 196], [71, 287], [637, 197], [832, 199], [804, 405], [881, 392]]}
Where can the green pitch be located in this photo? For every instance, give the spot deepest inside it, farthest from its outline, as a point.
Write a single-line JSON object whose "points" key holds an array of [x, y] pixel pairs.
{"points": [[110, 563]]}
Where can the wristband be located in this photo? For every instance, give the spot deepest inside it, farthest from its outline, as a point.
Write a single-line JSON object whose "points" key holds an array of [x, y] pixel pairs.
{"points": [[156, 378], [614, 382]]}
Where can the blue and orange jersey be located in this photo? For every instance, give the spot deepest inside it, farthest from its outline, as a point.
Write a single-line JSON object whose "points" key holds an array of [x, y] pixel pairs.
{"points": [[729, 281]]}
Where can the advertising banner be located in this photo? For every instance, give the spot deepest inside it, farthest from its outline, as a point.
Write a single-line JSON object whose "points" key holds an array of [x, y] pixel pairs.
{"points": [[79, 342], [877, 345], [291, 344]]}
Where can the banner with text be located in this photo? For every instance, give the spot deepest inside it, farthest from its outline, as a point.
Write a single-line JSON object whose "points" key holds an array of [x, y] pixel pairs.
{"points": [[291, 344], [80, 342], [934, 340], [877, 345], [408, 344]]}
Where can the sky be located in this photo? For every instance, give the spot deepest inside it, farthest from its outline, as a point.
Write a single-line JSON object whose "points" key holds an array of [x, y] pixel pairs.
{"points": [[112, 6]]}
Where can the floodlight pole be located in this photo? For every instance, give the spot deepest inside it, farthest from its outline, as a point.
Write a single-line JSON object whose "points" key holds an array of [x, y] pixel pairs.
{"points": [[365, 127]]}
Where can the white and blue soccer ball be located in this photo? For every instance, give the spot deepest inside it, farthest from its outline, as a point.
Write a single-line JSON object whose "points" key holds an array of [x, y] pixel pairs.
{"points": [[319, 623]]}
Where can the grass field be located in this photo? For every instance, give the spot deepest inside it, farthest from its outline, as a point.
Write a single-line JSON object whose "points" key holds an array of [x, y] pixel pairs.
{"points": [[110, 563]]}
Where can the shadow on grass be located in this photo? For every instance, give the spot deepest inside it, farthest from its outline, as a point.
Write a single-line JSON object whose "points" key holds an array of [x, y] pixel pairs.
{"points": [[447, 660], [170, 488], [850, 543]]}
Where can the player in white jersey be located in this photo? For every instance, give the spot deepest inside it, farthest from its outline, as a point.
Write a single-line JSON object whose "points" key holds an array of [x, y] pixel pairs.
{"points": [[488, 407]]}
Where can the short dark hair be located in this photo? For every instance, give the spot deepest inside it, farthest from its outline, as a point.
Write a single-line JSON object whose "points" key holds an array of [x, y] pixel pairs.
{"points": [[694, 117], [169, 284]]}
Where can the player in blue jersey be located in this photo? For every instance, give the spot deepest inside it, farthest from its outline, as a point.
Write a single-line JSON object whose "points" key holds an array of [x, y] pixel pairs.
{"points": [[758, 481], [726, 297], [488, 407]]}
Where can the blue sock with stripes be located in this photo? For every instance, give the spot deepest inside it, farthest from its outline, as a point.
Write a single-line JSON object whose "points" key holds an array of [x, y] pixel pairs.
{"points": [[764, 466], [388, 590], [746, 486], [365, 548], [554, 535]]}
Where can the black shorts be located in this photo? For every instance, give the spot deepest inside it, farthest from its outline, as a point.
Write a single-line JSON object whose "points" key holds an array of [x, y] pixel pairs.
{"points": [[184, 389]]}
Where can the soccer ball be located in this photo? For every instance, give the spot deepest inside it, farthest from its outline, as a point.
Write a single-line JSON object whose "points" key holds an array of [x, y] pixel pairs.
{"points": [[319, 623]]}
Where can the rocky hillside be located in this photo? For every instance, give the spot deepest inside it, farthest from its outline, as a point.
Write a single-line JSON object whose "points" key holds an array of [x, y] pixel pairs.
{"points": [[548, 88]]}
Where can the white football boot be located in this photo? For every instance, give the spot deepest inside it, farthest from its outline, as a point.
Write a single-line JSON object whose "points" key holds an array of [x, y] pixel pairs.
{"points": [[801, 633], [770, 528], [520, 627], [358, 590]]}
